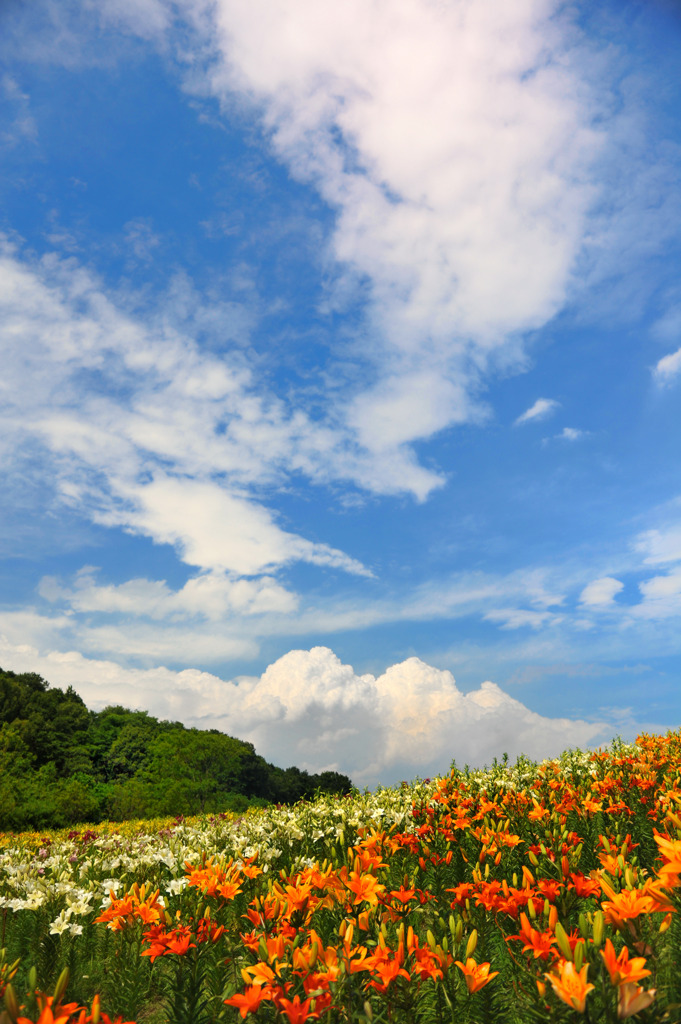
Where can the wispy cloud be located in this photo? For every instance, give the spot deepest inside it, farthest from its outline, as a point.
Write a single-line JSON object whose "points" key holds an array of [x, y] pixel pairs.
{"points": [[519, 618], [668, 368], [174, 443], [20, 126], [141, 239], [661, 545], [569, 434], [541, 410]]}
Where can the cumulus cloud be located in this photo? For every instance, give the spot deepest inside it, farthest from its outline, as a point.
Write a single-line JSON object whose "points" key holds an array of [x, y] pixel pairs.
{"points": [[601, 593], [541, 409], [310, 709]]}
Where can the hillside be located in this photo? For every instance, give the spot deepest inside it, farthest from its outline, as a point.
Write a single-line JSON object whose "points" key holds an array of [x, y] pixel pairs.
{"points": [[61, 763]]}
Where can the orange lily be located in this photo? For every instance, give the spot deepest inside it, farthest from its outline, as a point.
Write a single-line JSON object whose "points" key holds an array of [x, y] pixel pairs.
{"points": [[365, 887], [248, 1001], [259, 974], [621, 969], [571, 985], [633, 999], [47, 1015], [296, 1011], [671, 869], [476, 975], [403, 895], [626, 906], [388, 970], [539, 942]]}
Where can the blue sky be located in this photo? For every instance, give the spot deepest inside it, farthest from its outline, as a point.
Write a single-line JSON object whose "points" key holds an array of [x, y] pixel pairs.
{"points": [[341, 379]]}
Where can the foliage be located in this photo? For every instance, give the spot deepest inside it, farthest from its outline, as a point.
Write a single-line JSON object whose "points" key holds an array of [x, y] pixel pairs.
{"points": [[61, 764]]}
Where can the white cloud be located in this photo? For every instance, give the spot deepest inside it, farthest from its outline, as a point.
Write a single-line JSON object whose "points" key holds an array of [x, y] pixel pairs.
{"points": [[28, 626], [541, 409], [213, 596], [23, 127], [668, 368], [141, 239], [518, 618], [217, 530], [402, 409], [601, 593], [454, 143], [661, 597], [311, 710], [149, 19], [462, 147], [218, 616], [137, 642], [660, 546], [567, 434], [141, 429], [572, 434], [133, 639]]}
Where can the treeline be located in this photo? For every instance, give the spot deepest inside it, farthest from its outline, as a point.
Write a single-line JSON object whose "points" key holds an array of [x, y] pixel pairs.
{"points": [[62, 764]]}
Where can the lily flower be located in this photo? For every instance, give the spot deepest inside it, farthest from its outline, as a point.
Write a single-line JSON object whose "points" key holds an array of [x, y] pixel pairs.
{"points": [[571, 985]]}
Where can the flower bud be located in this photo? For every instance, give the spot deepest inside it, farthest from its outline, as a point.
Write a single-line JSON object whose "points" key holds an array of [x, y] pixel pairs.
{"points": [[60, 987], [579, 954], [11, 1004], [563, 942]]}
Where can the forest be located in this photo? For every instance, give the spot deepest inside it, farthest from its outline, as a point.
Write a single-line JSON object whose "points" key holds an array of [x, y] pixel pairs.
{"points": [[62, 764]]}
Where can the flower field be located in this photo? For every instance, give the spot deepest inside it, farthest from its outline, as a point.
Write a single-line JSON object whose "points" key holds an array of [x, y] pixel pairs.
{"points": [[512, 895]]}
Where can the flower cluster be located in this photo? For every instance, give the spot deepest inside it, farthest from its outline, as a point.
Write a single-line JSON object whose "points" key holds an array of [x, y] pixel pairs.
{"points": [[533, 892]]}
